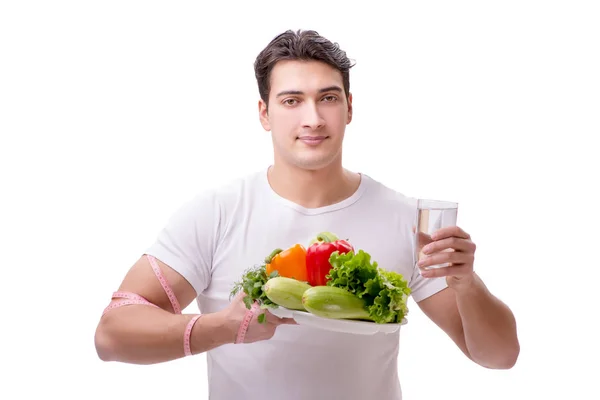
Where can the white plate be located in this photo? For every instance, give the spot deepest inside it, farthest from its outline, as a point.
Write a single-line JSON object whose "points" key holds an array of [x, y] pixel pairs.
{"points": [[336, 325]]}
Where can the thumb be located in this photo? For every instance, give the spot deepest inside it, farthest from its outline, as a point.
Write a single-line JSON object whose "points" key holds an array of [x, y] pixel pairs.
{"points": [[286, 321], [239, 296], [424, 238]]}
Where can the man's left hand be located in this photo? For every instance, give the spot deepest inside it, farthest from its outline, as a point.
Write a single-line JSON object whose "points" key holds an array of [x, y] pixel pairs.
{"points": [[449, 245]]}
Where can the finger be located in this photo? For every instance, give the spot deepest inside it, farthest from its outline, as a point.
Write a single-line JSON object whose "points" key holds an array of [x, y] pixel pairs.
{"points": [[414, 230], [242, 300], [423, 239], [286, 321], [238, 299], [449, 231], [239, 295], [454, 243], [275, 320], [444, 257], [454, 270]]}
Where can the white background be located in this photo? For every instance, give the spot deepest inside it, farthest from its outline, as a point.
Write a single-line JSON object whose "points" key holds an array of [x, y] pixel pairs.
{"points": [[114, 113]]}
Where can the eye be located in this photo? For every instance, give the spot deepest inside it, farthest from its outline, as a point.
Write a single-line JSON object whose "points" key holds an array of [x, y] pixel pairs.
{"points": [[330, 98], [290, 102]]}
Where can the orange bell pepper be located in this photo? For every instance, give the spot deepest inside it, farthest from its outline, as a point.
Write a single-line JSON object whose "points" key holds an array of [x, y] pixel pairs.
{"points": [[290, 263]]}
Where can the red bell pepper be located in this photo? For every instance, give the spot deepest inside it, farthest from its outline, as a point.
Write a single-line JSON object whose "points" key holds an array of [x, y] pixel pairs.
{"points": [[317, 256]]}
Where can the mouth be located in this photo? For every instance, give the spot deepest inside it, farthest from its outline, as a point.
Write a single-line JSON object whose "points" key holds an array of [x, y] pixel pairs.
{"points": [[312, 140]]}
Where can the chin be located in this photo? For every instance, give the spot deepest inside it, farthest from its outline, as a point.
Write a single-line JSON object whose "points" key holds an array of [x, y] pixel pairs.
{"points": [[309, 158], [314, 162]]}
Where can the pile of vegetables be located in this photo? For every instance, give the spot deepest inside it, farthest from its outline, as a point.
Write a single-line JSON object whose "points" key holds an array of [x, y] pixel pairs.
{"points": [[329, 279]]}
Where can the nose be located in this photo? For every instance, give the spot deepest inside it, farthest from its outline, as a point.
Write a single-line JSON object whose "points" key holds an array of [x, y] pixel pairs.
{"points": [[311, 117]]}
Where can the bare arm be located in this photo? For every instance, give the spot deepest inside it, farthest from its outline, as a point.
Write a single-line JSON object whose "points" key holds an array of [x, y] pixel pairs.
{"points": [[141, 334], [481, 325]]}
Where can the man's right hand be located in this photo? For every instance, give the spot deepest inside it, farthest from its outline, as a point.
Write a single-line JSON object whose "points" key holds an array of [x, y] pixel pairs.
{"points": [[257, 331]]}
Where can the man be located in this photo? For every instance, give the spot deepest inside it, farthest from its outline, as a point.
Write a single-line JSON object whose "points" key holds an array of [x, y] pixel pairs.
{"points": [[305, 103]]}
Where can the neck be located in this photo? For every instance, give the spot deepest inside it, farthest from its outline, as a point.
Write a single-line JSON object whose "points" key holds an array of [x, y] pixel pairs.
{"points": [[313, 188]]}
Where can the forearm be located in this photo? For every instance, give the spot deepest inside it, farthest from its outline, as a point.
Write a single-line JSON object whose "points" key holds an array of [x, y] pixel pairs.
{"points": [[140, 334], [488, 324]]}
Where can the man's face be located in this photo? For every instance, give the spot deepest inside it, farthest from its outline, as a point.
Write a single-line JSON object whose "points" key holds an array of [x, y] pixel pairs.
{"points": [[307, 114]]}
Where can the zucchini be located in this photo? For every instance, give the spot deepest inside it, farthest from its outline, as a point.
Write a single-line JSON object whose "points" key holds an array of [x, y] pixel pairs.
{"points": [[286, 292], [334, 302]]}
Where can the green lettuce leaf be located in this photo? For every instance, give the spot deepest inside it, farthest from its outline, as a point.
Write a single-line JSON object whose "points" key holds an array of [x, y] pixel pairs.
{"points": [[385, 292]]}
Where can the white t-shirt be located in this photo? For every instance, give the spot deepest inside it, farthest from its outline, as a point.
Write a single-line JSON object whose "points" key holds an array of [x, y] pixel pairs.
{"points": [[212, 239]]}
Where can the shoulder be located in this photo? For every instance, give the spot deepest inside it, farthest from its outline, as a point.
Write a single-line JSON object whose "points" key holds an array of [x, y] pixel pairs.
{"points": [[387, 198], [208, 214], [218, 206], [236, 194], [231, 191], [218, 201]]}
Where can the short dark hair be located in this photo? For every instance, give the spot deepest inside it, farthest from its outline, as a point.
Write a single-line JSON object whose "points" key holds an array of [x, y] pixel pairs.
{"points": [[301, 45]]}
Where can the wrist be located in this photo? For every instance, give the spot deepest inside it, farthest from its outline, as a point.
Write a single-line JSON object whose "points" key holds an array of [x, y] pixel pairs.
{"points": [[463, 285], [226, 326], [187, 335], [211, 331]]}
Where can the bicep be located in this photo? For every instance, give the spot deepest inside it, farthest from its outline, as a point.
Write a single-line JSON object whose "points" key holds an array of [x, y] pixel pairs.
{"points": [[441, 308], [183, 253], [142, 280]]}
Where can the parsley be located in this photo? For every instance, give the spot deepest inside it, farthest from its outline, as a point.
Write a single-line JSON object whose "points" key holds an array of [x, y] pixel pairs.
{"points": [[251, 284]]}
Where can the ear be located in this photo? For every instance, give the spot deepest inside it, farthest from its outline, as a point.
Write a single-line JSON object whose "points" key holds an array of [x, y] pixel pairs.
{"points": [[349, 108], [263, 114]]}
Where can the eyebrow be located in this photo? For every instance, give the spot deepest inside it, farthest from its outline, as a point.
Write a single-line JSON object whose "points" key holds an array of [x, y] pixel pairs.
{"points": [[333, 88]]}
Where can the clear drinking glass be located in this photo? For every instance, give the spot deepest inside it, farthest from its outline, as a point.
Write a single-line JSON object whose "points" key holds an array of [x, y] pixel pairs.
{"points": [[431, 216]]}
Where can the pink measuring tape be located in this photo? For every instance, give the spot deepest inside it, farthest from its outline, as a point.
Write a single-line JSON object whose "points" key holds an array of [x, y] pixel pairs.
{"points": [[165, 285], [132, 298], [245, 323]]}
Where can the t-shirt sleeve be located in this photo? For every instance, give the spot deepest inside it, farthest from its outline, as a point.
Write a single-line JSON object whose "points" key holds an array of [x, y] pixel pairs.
{"points": [[421, 288], [187, 242]]}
